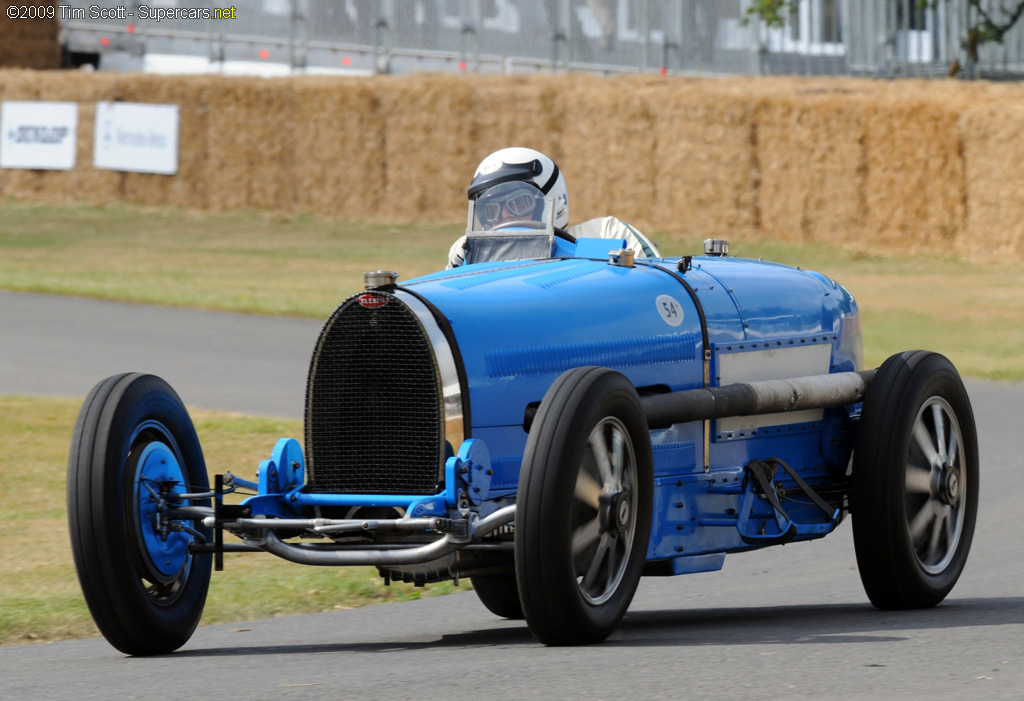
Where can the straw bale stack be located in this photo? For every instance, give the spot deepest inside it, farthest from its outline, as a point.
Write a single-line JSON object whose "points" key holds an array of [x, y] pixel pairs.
{"points": [[609, 150], [22, 85], [338, 144], [428, 146], [704, 169], [85, 182], [902, 165], [810, 156], [247, 143], [187, 188], [3, 171], [29, 43], [271, 160], [914, 188], [527, 111], [993, 137]]}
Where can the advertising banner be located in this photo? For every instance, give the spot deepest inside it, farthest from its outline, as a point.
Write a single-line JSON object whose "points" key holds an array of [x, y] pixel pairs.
{"points": [[38, 135], [136, 137]]}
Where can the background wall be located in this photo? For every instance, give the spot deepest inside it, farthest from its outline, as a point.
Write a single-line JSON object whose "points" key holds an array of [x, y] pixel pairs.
{"points": [[901, 165]]}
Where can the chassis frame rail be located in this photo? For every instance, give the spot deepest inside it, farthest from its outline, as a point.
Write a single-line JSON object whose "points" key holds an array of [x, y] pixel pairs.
{"points": [[267, 540]]}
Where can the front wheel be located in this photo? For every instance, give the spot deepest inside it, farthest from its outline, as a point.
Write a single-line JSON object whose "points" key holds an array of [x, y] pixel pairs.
{"points": [[583, 509], [133, 451], [915, 482], [499, 594]]}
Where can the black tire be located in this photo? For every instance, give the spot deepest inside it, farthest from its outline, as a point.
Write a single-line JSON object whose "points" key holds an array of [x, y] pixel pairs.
{"points": [[566, 502], [914, 503], [145, 591], [500, 594]]}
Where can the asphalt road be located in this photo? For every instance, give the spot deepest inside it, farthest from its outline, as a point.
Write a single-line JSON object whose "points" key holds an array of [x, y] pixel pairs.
{"points": [[783, 622], [63, 346]]}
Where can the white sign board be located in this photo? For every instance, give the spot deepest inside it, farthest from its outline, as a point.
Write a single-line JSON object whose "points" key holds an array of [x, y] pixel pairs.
{"points": [[38, 135], [136, 137]]}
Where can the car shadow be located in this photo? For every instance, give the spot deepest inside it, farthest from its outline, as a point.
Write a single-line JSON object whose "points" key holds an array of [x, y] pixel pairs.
{"points": [[816, 624], [489, 637], [782, 625]]}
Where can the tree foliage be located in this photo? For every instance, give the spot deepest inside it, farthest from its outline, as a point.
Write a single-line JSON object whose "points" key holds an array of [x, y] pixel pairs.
{"points": [[985, 25], [987, 28], [773, 13]]}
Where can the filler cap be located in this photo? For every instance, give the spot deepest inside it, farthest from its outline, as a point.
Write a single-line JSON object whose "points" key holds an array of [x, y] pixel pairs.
{"points": [[716, 247], [381, 278]]}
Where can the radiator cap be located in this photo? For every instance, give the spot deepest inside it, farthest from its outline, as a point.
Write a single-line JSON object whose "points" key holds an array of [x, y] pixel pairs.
{"points": [[380, 278]]}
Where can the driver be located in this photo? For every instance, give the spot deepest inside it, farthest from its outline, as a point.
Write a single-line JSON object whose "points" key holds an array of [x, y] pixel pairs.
{"points": [[515, 184]]}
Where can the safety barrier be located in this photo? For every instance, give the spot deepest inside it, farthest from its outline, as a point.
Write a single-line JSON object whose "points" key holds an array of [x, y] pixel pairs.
{"points": [[899, 165]]}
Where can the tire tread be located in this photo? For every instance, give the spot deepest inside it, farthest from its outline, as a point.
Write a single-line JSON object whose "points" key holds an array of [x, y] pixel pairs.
{"points": [[888, 570]]}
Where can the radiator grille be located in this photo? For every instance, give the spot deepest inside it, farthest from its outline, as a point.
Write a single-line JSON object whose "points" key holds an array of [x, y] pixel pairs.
{"points": [[374, 420]]}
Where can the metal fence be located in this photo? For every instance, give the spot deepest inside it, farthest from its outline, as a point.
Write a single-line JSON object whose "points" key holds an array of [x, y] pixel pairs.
{"points": [[862, 37], [901, 38]]}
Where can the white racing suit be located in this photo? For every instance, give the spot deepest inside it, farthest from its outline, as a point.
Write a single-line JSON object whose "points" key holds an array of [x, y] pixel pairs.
{"points": [[599, 228]]}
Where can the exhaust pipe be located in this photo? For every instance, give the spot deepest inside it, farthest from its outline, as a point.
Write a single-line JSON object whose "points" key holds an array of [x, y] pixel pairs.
{"points": [[752, 398]]}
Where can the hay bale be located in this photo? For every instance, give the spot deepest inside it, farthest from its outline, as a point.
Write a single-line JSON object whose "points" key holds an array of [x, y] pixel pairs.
{"points": [[337, 167], [527, 111], [905, 165], [915, 173], [609, 147], [186, 188], [21, 85], [271, 152], [29, 43], [993, 142], [810, 156], [3, 171], [85, 182], [428, 146], [234, 137], [704, 168]]}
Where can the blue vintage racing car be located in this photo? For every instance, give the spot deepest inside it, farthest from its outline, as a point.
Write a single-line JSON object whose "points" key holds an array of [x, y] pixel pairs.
{"points": [[553, 420]]}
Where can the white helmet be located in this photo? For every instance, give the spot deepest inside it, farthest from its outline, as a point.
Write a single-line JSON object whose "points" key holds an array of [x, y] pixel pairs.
{"points": [[515, 184]]}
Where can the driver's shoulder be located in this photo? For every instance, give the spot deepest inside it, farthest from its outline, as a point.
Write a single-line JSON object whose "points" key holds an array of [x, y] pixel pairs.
{"points": [[615, 228], [601, 228]]}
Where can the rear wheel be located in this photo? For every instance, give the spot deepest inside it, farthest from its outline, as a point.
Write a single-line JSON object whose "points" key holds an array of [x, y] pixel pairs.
{"points": [[583, 513], [915, 482], [134, 449]]}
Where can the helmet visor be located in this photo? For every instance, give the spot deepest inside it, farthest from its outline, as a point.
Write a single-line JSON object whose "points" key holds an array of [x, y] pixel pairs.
{"points": [[516, 201]]}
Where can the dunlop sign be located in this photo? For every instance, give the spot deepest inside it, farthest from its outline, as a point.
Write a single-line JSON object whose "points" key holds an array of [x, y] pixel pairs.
{"points": [[136, 137], [38, 135]]}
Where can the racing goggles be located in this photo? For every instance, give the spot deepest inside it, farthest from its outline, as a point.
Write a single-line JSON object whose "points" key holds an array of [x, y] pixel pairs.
{"points": [[519, 198]]}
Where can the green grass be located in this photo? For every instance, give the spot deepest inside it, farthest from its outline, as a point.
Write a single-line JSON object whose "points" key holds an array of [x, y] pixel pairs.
{"points": [[40, 599], [246, 262]]}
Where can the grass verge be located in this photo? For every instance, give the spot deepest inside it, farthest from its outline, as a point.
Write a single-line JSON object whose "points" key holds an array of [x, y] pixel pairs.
{"points": [[247, 262], [40, 599]]}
